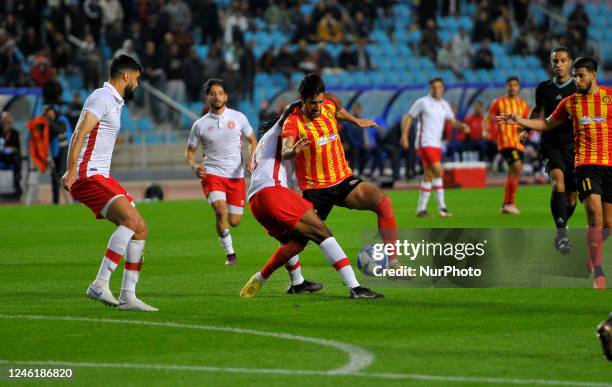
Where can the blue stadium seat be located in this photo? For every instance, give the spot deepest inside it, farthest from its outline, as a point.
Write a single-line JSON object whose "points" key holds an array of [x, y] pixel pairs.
{"points": [[144, 124]]}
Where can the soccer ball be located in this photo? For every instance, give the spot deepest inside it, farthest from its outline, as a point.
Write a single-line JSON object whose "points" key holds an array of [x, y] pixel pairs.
{"points": [[366, 262]]}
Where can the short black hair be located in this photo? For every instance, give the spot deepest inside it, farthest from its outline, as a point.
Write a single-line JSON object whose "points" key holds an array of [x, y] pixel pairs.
{"points": [[436, 79], [213, 82], [123, 63], [311, 85], [585, 62], [561, 49], [513, 78]]}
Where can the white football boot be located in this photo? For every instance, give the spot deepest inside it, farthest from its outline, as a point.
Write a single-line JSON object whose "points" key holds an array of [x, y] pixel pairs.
{"points": [[102, 294], [134, 304]]}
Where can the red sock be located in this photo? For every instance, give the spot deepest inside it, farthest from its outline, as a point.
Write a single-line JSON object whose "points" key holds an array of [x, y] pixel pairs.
{"points": [[510, 189], [386, 222], [280, 257], [594, 244]]}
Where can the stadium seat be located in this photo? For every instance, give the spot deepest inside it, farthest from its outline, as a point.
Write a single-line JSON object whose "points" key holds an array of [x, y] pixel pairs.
{"points": [[144, 124]]}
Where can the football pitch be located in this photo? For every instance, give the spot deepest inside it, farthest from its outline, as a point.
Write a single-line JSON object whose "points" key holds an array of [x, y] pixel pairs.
{"points": [[205, 334]]}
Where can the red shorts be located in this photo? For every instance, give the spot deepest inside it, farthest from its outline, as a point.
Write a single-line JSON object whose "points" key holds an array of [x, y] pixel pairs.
{"points": [[229, 189], [429, 155], [278, 209], [96, 191]]}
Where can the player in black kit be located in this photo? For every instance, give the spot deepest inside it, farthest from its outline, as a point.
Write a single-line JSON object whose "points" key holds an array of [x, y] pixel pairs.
{"points": [[558, 144]]}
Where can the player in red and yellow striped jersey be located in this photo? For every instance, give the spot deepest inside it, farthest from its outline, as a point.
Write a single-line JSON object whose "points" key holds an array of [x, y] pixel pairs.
{"points": [[311, 138], [590, 110], [507, 139]]}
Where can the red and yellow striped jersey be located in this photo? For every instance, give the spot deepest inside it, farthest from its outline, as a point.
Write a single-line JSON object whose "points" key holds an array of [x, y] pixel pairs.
{"points": [[322, 163], [591, 116], [507, 135]]}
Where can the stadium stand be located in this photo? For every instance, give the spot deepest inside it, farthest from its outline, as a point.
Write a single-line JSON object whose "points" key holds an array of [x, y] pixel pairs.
{"points": [[377, 53]]}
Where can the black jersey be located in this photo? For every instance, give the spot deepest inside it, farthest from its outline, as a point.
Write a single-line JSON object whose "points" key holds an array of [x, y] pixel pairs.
{"points": [[548, 94]]}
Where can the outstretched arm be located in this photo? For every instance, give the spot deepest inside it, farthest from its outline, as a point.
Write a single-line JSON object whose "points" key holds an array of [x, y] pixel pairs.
{"points": [[541, 124]]}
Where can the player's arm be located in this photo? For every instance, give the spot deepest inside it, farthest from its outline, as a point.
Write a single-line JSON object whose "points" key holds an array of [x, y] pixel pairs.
{"points": [[460, 125], [406, 125], [87, 124], [190, 158], [540, 124], [343, 114], [252, 146], [291, 148]]}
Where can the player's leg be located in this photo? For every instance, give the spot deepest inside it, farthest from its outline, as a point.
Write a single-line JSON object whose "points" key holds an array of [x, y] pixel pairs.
{"points": [[425, 190], [594, 211], [123, 213], [515, 166], [287, 250], [222, 225], [438, 187], [558, 209], [312, 228], [366, 196]]}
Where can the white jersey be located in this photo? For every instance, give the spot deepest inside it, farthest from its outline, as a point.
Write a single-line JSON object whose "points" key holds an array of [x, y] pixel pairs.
{"points": [[221, 136], [431, 113], [269, 169], [95, 158]]}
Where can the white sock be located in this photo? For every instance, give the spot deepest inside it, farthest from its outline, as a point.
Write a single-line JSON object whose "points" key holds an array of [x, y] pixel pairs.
{"points": [[114, 251], [260, 278], [336, 257], [294, 268], [226, 242], [424, 195], [438, 186], [133, 263]]}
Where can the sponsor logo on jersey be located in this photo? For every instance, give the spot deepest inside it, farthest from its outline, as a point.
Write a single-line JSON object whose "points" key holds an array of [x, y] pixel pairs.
{"points": [[585, 120], [324, 140]]}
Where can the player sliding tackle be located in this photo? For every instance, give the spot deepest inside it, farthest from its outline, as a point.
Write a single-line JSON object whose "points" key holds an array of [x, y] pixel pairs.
{"points": [[590, 111], [288, 217]]}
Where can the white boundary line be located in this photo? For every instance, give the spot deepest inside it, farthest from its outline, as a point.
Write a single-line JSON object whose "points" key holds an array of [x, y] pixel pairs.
{"points": [[359, 358]]}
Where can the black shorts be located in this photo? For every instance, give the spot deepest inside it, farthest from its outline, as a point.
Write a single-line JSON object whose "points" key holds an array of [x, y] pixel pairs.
{"points": [[512, 155], [561, 157], [594, 179], [324, 199]]}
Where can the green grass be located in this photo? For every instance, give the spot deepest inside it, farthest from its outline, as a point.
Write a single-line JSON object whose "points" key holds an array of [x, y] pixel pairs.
{"points": [[50, 254]]}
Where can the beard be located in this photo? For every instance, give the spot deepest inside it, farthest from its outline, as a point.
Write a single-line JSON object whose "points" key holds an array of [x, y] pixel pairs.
{"points": [[128, 93], [217, 105], [585, 89]]}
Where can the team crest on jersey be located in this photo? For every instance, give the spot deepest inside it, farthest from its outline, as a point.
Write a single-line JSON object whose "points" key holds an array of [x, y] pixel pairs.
{"points": [[606, 99], [231, 124], [329, 114]]}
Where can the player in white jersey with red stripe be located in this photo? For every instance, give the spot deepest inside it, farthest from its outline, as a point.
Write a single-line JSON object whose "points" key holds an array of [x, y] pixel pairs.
{"points": [[432, 111], [288, 217], [221, 132], [89, 181]]}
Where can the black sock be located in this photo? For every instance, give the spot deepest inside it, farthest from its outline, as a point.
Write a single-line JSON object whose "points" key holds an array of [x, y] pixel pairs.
{"points": [[598, 271], [569, 211], [558, 208]]}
